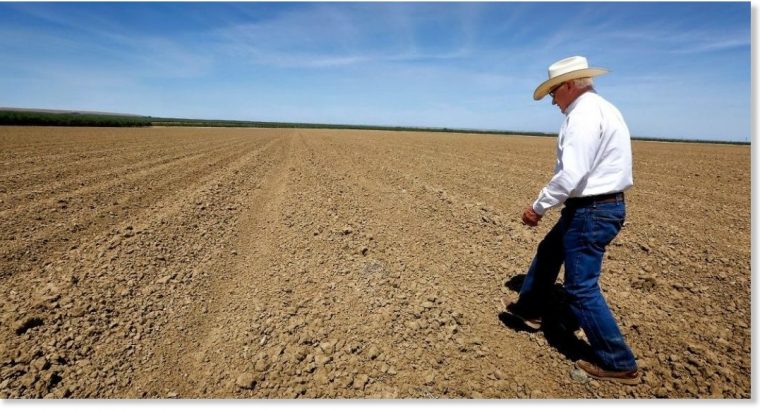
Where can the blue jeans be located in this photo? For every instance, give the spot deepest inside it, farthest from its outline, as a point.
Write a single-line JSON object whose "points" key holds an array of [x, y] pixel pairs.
{"points": [[578, 240]]}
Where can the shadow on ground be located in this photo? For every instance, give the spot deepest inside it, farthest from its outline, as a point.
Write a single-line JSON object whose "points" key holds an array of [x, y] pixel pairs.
{"points": [[559, 323]]}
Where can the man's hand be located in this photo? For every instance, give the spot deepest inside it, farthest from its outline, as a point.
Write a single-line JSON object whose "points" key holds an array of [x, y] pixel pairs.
{"points": [[530, 217]]}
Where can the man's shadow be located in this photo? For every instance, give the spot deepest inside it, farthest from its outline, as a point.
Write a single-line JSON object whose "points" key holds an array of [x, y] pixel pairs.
{"points": [[558, 323]]}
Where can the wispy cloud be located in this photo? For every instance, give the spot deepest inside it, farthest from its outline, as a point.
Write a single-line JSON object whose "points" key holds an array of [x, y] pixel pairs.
{"points": [[330, 36], [95, 40], [411, 63], [610, 30]]}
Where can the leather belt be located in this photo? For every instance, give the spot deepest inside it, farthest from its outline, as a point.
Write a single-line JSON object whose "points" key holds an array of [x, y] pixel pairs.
{"points": [[596, 199]]}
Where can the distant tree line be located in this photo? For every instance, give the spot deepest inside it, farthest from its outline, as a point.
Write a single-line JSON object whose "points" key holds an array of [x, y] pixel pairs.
{"points": [[107, 120], [71, 119], [184, 122]]}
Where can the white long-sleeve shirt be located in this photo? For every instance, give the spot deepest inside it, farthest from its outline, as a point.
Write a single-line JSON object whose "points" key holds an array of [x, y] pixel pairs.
{"points": [[593, 153]]}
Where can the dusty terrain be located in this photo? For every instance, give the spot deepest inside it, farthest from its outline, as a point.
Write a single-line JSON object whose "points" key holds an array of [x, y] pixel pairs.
{"points": [[245, 263]]}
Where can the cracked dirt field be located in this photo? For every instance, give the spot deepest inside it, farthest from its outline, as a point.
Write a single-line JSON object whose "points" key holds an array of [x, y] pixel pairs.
{"points": [[287, 263]]}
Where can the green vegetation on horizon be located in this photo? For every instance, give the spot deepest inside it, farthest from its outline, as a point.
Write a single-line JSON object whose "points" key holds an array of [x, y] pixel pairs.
{"points": [[73, 119], [183, 122]]}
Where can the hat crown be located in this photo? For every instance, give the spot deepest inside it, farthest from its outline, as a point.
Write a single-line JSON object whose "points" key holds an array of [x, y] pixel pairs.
{"points": [[567, 65], [565, 70]]}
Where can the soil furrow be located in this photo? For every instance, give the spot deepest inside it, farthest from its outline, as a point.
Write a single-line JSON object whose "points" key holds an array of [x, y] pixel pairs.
{"points": [[101, 204], [266, 263], [82, 164], [47, 190]]}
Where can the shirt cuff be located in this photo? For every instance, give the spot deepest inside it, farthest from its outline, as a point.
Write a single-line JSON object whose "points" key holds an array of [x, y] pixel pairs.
{"points": [[538, 208]]}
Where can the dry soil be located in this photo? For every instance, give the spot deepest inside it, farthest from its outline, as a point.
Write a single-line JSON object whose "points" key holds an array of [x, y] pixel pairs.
{"points": [[287, 263]]}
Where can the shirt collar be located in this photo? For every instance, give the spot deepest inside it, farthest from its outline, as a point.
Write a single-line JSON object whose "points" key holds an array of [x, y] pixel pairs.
{"points": [[574, 103]]}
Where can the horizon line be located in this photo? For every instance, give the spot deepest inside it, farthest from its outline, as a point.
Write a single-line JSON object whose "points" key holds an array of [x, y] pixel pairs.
{"points": [[746, 141]]}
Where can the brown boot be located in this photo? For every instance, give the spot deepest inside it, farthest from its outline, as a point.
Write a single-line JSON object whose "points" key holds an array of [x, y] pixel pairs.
{"points": [[631, 377]]}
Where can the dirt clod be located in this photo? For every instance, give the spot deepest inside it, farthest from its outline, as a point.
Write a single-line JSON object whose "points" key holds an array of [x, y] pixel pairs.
{"points": [[246, 381]]}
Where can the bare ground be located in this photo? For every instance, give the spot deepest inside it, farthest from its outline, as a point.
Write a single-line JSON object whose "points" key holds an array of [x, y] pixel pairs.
{"points": [[237, 263]]}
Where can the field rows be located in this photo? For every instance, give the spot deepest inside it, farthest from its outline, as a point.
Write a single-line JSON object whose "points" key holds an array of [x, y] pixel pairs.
{"points": [[279, 263]]}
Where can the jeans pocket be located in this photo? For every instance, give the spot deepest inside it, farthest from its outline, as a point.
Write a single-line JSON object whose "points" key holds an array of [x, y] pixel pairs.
{"points": [[610, 215], [605, 226]]}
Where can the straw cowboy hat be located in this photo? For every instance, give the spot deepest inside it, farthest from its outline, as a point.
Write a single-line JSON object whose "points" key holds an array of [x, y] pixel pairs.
{"points": [[564, 70]]}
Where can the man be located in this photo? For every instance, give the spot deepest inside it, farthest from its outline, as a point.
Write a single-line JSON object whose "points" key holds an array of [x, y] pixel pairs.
{"points": [[593, 169]]}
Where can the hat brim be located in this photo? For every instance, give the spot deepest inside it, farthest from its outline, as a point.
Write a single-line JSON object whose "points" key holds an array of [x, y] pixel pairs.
{"points": [[547, 85]]}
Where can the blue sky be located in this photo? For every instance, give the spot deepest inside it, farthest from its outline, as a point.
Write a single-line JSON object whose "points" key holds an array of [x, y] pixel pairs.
{"points": [[678, 70]]}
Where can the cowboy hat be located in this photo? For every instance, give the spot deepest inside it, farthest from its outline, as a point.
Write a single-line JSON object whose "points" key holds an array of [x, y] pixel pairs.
{"points": [[564, 70]]}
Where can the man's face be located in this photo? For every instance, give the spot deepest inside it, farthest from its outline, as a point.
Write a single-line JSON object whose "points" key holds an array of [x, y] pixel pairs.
{"points": [[561, 96]]}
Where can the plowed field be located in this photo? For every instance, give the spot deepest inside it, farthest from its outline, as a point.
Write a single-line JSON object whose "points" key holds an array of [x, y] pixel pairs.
{"points": [[284, 263]]}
